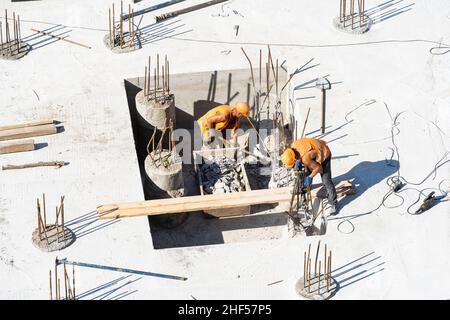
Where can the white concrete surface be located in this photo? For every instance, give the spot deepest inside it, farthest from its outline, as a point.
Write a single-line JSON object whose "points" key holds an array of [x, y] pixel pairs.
{"points": [[408, 256]]}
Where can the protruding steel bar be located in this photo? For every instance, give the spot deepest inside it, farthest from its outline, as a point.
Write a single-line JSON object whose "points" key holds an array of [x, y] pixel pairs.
{"points": [[328, 274], [149, 75], [129, 20], [145, 82], [329, 267], [110, 33], [304, 269], [317, 255], [19, 34], [45, 229], [45, 211], [38, 219], [260, 70], [56, 281], [56, 225], [62, 218], [168, 77], [1, 38], [155, 91], [50, 280], [318, 283], [121, 23], [114, 26], [157, 71], [163, 82], [65, 282], [251, 67], [345, 11], [59, 289], [325, 263], [340, 10], [352, 11], [73, 281], [309, 275]]}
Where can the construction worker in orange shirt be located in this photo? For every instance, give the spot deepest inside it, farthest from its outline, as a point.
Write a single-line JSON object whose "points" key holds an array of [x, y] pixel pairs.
{"points": [[315, 155], [221, 118]]}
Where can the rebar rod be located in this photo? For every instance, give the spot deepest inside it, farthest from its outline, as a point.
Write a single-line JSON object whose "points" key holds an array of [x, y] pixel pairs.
{"points": [[318, 284], [157, 72], [39, 221], [109, 23], [56, 281], [145, 82], [317, 255], [73, 281], [114, 26], [251, 68], [304, 269], [65, 281], [50, 278]]}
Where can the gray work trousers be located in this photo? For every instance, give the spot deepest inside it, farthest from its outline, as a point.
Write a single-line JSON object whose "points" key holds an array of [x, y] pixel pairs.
{"points": [[327, 182]]}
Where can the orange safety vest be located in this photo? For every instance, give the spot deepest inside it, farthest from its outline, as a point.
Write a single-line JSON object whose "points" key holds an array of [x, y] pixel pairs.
{"points": [[227, 124], [304, 145]]}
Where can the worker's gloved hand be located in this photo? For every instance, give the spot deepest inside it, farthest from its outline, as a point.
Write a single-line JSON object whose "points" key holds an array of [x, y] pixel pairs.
{"points": [[298, 165], [308, 182]]}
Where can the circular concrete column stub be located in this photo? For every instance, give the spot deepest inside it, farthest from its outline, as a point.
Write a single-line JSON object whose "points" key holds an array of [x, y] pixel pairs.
{"points": [[153, 114], [165, 170], [65, 239], [357, 28], [127, 47], [13, 54], [313, 293]]}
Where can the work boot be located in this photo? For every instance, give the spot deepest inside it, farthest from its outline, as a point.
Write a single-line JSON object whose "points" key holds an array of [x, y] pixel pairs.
{"points": [[332, 210]]}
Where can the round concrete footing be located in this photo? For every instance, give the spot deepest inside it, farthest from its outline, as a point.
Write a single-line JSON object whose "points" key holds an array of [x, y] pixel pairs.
{"points": [[127, 47], [56, 240], [357, 27], [312, 292], [153, 114], [13, 54], [164, 170]]}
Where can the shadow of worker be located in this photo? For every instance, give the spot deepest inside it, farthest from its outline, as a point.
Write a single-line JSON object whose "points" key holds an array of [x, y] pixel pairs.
{"points": [[365, 175]]}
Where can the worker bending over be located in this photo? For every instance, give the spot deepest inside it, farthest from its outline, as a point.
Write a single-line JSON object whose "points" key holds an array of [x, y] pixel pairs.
{"points": [[222, 118], [315, 155]]}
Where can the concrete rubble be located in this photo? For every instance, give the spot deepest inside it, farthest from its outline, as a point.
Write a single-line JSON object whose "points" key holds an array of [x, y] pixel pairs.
{"points": [[222, 175], [282, 177]]}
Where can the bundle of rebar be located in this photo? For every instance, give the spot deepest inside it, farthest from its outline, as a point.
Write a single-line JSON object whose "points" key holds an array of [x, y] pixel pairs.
{"points": [[343, 16], [42, 221], [186, 10], [159, 91], [118, 37], [10, 44], [69, 289], [310, 278], [157, 150]]}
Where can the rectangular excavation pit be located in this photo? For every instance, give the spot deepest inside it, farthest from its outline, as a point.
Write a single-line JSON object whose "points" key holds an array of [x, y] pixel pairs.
{"points": [[195, 93]]}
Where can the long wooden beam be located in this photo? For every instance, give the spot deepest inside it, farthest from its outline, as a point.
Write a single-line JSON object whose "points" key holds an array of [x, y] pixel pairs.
{"points": [[27, 132], [211, 202], [26, 124], [194, 203], [17, 146]]}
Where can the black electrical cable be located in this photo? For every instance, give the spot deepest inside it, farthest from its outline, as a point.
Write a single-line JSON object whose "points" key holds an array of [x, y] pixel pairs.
{"points": [[396, 182]]}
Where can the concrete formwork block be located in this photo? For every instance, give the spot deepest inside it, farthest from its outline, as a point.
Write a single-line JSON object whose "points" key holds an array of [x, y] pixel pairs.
{"points": [[153, 114]]}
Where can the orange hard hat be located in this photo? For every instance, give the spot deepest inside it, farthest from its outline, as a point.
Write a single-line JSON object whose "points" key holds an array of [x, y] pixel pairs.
{"points": [[242, 108], [288, 158]]}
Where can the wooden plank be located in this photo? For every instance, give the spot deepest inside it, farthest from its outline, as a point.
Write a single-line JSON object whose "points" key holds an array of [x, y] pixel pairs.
{"points": [[20, 133], [193, 203], [26, 124], [196, 203], [17, 146]]}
